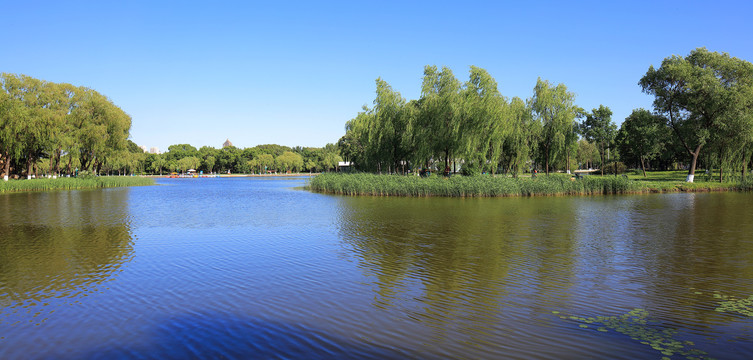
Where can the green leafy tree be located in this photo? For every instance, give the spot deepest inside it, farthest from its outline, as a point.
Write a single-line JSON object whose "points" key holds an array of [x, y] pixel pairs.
{"points": [[641, 137], [553, 107], [599, 129], [208, 163], [180, 151], [586, 153], [289, 161], [522, 138], [702, 96], [485, 125], [388, 128], [265, 162], [12, 115], [439, 118], [311, 166], [159, 163]]}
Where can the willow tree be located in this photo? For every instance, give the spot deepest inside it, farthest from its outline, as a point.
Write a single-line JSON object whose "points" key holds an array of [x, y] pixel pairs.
{"points": [[289, 161], [101, 129], [702, 96], [440, 114], [553, 107], [33, 127], [355, 145], [388, 127], [523, 135], [13, 113], [484, 126], [63, 99]]}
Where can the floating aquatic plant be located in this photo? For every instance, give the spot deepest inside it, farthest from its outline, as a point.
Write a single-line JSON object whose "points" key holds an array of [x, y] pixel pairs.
{"points": [[740, 306], [636, 325]]}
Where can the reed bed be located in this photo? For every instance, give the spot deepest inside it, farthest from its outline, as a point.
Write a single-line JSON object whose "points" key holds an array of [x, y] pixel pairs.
{"points": [[490, 186], [72, 183]]}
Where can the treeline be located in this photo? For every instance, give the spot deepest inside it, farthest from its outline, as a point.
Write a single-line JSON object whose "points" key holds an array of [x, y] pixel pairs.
{"points": [[703, 101], [51, 128], [57, 126], [259, 159]]}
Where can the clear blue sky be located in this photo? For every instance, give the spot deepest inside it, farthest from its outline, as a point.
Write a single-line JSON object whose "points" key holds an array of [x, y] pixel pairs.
{"points": [[292, 73]]}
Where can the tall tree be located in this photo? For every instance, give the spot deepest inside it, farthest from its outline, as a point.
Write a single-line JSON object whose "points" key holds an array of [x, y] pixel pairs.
{"points": [[388, 126], [13, 114], [642, 136], [289, 161], [599, 129], [523, 136], [440, 113], [484, 126], [553, 107], [586, 153], [700, 95]]}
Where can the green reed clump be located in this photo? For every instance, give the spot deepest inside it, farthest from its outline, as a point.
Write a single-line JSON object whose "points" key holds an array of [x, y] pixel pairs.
{"points": [[745, 184], [72, 183], [469, 186]]}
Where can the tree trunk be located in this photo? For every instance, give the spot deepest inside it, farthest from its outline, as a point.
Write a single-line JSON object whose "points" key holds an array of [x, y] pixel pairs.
{"points": [[6, 166], [29, 168], [643, 167], [721, 166], [745, 169], [691, 172], [721, 172], [446, 160]]}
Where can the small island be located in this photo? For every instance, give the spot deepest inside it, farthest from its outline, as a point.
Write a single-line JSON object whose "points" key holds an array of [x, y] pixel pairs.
{"points": [[481, 143]]}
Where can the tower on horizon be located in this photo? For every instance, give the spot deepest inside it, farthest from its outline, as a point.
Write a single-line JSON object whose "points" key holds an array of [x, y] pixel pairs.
{"points": [[227, 143]]}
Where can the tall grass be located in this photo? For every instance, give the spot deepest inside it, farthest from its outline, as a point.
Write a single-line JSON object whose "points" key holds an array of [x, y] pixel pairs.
{"points": [[488, 186], [72, 183]]}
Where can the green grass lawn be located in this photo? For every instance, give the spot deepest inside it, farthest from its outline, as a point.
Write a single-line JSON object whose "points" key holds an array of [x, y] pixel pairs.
{"points": [[676, 178]]}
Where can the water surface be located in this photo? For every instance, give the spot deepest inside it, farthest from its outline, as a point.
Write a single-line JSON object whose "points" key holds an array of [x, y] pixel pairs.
{"points": [[258, 268]]}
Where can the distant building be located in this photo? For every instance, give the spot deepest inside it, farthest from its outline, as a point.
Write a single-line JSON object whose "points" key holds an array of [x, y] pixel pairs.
{"points": [[143, 148], [154, 150], [345, 166], [227, 143]]}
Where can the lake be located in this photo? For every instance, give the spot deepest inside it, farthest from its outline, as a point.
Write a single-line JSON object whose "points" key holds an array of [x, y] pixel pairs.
{"points": [[260, 268]]}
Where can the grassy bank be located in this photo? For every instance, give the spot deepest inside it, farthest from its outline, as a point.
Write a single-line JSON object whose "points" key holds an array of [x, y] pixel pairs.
{"points": [[72, 183], [488, 186]]}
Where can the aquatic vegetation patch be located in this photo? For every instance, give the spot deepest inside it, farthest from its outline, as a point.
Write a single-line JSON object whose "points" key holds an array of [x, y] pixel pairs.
{"points": [[493, 186], [468, 186], [637, 326], [731, 304], [73, 183], [740, 306]]}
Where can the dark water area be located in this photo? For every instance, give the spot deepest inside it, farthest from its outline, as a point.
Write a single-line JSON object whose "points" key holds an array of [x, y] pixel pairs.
{"points": [[250, 268]]}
